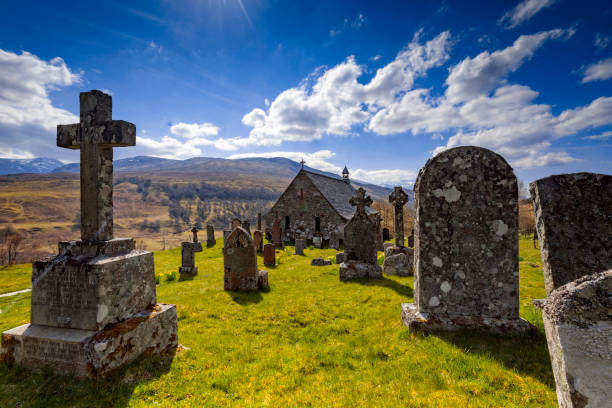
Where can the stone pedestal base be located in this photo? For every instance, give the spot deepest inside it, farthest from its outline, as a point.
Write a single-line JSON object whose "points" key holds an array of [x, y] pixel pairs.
{"points": [[398, 261], [416, 320], [320, 262], [350, 270], [210, 243], [87, 353], [188, 270]]}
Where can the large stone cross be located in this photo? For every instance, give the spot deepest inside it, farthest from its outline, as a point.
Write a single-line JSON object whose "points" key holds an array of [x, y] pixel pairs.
{"points": [[95, 136], [361, 201], [398, 198]]}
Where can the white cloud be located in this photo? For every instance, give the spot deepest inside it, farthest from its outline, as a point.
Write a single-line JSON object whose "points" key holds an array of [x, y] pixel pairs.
{"points": [[320, 160], [524, 11], [601, 41], [599, 71], [605, 136], [332, 101], [355, 25], [376, 57], [194, 130], [477, 76], [28, 119]]}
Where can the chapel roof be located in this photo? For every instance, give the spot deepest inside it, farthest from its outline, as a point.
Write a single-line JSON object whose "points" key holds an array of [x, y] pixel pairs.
{"points": [[337, 192]]}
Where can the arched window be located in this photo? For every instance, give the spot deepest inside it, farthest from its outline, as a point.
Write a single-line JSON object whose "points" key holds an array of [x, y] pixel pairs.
{"points": [[317, 224], [287, 223]]}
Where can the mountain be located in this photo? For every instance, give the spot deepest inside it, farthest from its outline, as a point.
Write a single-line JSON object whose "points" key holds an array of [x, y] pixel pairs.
{"points": [[217, 168], [37, 165]]}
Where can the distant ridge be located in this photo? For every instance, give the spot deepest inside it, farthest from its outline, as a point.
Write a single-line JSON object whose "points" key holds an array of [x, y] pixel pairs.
{"points": [[279, 167], [38, 165]]}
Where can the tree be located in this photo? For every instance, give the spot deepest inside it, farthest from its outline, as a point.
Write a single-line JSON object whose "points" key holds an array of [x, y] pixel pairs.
{"points": [[10, 244]]}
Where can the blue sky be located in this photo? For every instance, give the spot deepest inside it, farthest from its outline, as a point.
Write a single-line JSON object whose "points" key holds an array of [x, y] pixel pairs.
{"points": [[378, 86]]}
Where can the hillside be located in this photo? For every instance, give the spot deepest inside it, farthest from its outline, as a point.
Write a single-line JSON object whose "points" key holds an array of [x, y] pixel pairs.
{"points": [[38, 165], [156, 200]]}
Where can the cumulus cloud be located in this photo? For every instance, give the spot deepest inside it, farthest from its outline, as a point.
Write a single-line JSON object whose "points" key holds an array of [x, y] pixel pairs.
{"points": [[320, 160], [605, 136], [477, 76], [28, 118], [188, 141], [599, 71], [332, 101], [523, 12]]}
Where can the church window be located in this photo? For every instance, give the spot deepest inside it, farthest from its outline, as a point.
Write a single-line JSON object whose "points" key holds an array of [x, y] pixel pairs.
{"points": [[287, 223], [317, 224]]}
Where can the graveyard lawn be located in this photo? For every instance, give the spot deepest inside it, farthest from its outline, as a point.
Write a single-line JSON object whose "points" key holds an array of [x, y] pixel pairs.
{"points": [[308, 341]]}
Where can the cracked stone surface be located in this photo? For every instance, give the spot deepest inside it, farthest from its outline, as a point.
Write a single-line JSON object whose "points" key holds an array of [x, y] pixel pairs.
{"points": [[466, 245], [578, 323], [573, 214], [398, 261], [88, 353]]}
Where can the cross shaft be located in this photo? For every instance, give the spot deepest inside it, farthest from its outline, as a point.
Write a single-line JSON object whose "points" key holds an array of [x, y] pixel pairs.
{"points": [[95, 136]]}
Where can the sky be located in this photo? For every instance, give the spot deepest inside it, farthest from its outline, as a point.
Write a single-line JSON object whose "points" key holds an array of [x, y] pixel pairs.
{"points": [[380, 87]]}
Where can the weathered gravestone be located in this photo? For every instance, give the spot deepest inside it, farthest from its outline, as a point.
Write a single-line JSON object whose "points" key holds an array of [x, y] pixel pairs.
{"points": [[210, 236], [360, 241], [398, 258], [259, 222], [258, 240], [334, 240], [226, 234], [246, 225], [317, 242], [240, 263], [578, 323], [379, 237], [276, 233], [235, 224], [94, 306], [466, 244], [188, 250], [339, 258], [385, 233], [269, 255], [300, 244], [411, 239], [320, 262], [573, 214]]}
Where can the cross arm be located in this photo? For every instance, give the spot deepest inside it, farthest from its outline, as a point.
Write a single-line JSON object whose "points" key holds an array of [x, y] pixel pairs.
{"points": [[116, 133]]}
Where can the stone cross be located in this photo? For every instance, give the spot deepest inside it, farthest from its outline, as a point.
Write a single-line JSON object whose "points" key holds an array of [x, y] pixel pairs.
{"points": [[95, 136], [194, 231], [361, 201], [398, 198], [259, 221]]}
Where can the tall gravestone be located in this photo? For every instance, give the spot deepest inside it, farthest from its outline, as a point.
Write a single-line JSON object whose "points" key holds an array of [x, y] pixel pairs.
{"points": [[276, 233], [188, 250], [210, 236], [246, 225], [300, 244], [360, 242], [466, 244], [226, 234], [398, 258], [258, 240], [385, 234], [259, 222], [240, 263], [94, 306], [573, 214], [269, 255], [334, 240]]}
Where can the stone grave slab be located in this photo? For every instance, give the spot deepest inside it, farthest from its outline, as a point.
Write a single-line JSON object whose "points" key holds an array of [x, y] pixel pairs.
{"points": [[573, 214], [466, 244], [240, 263]]}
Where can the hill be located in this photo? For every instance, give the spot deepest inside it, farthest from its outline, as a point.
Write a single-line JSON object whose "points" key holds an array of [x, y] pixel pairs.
{"points": [[156, 200], [38, 165]]}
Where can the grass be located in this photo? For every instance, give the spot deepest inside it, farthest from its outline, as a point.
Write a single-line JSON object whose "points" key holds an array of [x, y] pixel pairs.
{"points": [[310, 341]]}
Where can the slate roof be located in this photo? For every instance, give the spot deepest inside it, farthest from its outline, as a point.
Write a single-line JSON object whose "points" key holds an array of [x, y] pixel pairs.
{"points": [[337, 192]]}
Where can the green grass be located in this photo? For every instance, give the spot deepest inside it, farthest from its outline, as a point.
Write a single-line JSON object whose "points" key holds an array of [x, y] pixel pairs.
{"points": [[15, 277], [310, 341]]}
